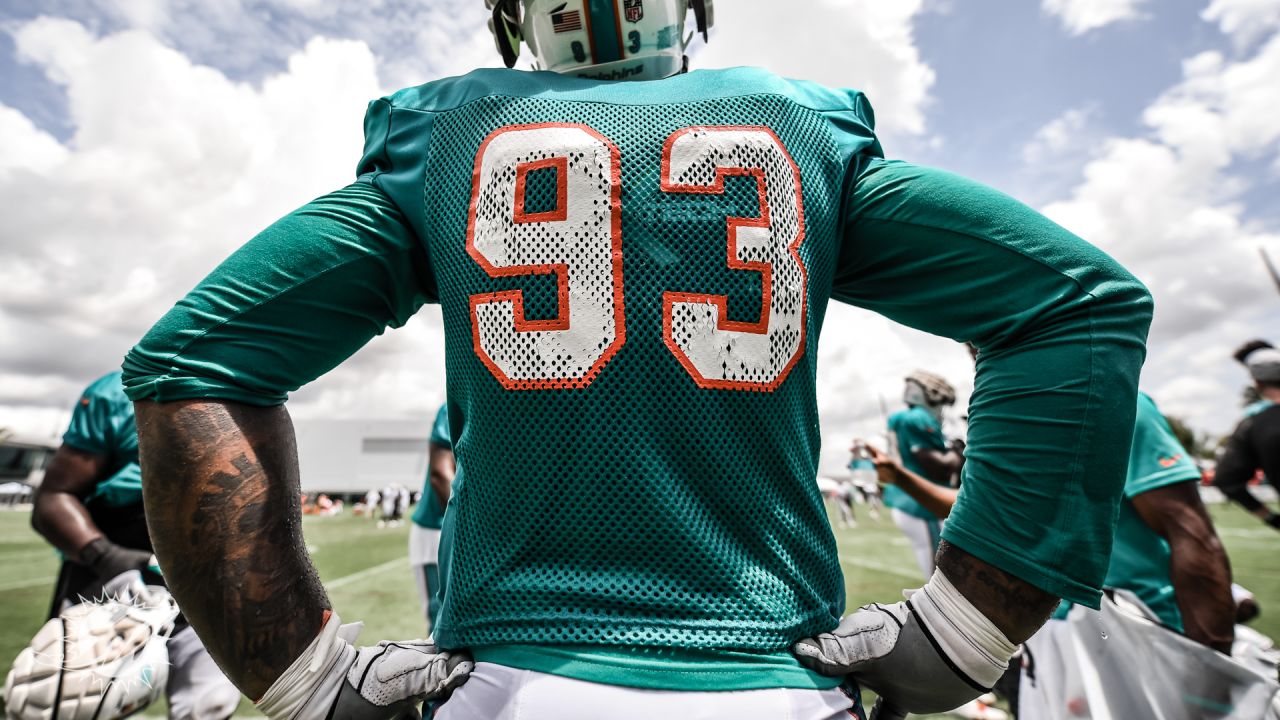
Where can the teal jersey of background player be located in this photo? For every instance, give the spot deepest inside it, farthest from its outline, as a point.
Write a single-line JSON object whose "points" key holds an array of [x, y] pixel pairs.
{"points": [[1140, 557], [914, 428], [430, 513], [102, 423], [633, 279]]}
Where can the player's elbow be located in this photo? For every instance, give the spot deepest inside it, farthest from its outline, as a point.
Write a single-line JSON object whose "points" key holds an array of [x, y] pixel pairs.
{"points": [[1121, 307]]}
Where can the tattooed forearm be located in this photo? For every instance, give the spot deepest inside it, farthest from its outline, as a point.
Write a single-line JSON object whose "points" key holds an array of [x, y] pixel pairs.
{"points": [[1017, 607], [220, 483]]}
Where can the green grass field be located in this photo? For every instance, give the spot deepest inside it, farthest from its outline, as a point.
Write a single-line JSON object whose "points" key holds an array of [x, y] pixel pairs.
{"points": [[367, 574]]}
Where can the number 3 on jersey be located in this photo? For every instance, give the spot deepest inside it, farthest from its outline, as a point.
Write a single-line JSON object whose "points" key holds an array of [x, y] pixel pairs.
{"points": [[579, 240]]}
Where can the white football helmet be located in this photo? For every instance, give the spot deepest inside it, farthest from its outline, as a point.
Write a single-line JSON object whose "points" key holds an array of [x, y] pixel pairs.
{"points": [[602, 39], [925, 388], [96, 661]]}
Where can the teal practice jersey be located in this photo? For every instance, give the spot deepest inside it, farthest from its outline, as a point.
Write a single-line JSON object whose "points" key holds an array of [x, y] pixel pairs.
{"points": [[913, 429], [430, 513], [1140, 558], [633, 279], [102, 424]]}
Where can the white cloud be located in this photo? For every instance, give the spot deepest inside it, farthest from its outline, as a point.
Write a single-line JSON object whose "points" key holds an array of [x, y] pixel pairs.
{"points": [[23, 146], [862, 44], [1168, 206], [171, 166], [1081, 16], [1065, 134], [1245, 20]]}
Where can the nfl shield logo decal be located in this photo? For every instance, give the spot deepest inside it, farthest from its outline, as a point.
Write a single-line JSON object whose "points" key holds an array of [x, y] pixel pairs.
{"points": [[634, 10]]}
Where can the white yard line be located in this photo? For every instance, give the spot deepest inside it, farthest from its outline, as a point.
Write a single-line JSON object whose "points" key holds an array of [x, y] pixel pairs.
{"points": [[1267, 534], [340, 582], [912, 575], [367, 572]]}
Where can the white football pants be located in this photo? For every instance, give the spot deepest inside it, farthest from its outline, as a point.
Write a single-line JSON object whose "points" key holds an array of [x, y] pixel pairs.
{"points": [[197, 689], [497, 692], [924, 536]]}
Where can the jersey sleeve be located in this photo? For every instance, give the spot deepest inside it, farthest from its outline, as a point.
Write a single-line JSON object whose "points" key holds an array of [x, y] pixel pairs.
{"points": [[94, 426], [1156, 458], [440, 428], [295, 301], [1061, 331]]}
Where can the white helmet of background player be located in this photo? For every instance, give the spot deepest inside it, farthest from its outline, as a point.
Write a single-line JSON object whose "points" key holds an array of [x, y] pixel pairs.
{"points": [[602, 39], [95, 661], [929, 391]]}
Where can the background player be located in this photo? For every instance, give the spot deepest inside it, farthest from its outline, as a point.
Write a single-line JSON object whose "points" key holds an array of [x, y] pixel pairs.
{"points": [[90, 508], [632, 279], [915, 434], [424, 532], [1166, 552], [1255, 443], [862, 478]]}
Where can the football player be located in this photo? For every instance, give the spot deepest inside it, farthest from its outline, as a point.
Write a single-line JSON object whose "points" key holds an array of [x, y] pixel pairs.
{"points": [[633, 278], [1166, 553], [424, 531], [1255, 443], [90, 508], [915, 434]]}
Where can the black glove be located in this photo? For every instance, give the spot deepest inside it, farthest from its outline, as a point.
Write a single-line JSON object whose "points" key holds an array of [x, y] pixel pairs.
{"points": [[107, 559], [1274, 520]]}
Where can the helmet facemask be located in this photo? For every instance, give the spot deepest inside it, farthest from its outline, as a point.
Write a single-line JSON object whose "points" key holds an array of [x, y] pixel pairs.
{"points": [[603, 39]]}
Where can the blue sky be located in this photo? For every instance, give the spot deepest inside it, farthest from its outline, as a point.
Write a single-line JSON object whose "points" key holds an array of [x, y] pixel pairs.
{"points": [[1145, 126]]}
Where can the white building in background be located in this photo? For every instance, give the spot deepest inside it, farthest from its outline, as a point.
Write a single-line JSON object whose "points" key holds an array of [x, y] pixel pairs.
{"points": [[354, 456], [23, 458]]}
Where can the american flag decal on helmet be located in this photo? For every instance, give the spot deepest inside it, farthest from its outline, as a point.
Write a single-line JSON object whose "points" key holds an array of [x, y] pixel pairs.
{"points": [[634, 10], [562, 21]]}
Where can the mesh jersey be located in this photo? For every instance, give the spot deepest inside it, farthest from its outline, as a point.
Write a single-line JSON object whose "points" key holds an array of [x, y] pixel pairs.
{"points": [[633, 277], [662, 442]]}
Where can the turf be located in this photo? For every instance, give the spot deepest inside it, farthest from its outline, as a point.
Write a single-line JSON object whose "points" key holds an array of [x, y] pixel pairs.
{"points": [[366, 571]]}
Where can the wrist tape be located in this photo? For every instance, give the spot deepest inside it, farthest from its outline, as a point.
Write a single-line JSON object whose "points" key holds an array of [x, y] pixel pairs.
{"points": [[316, 676], [967, 637]]}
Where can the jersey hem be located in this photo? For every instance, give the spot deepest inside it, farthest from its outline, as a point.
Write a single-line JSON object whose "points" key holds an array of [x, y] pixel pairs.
{"points": [[1065, 588], [690, 673], [1163, 478]]}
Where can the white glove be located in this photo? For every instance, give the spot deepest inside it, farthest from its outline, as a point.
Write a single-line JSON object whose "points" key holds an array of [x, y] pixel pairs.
{"points": [[333, 679], [128, 588], [930, 654]]}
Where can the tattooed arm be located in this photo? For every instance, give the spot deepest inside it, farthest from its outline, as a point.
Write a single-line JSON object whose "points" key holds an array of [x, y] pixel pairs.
{"points": [[220, 483], [1015, 606]]}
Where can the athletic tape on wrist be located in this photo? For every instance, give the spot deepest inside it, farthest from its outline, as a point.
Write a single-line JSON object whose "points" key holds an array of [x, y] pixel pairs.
{"points": [[968, 638], [324, 662]]}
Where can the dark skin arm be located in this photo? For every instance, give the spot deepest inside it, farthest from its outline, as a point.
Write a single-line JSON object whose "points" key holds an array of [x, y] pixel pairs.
{"points": [[59, 514], [941, 465], [935, 498], [441, 467], [1198, 566], [221, 485], [1015, 606]]}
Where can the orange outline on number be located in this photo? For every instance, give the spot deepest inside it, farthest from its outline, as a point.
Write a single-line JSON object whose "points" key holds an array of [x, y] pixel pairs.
{"points": [[561, 210], [765, 269], [560, 270]]}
